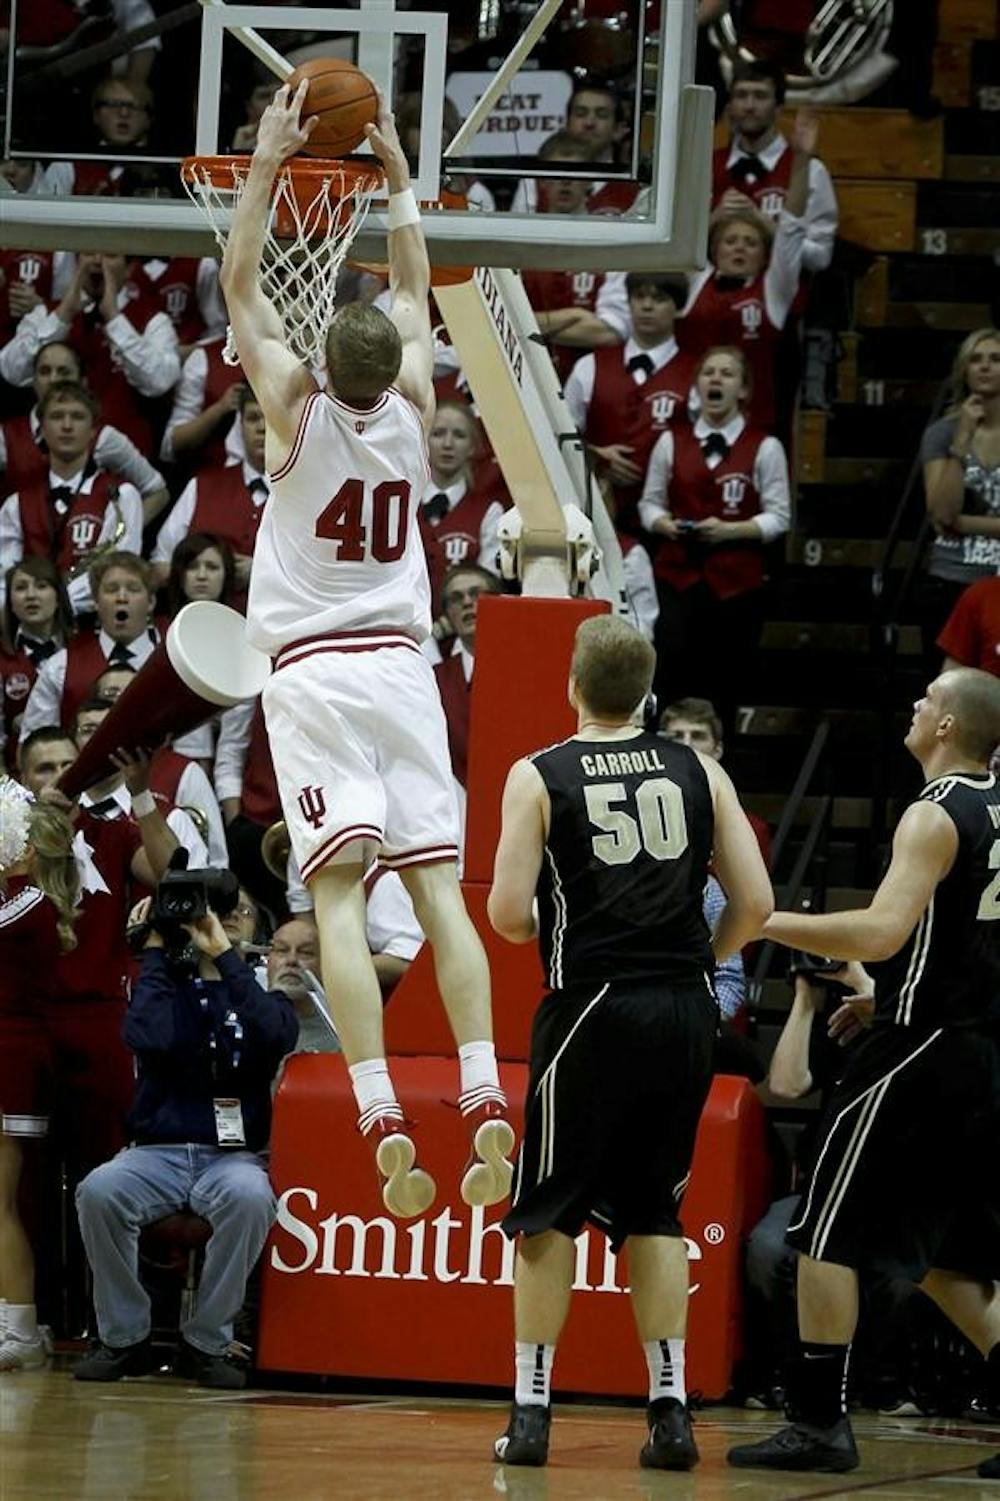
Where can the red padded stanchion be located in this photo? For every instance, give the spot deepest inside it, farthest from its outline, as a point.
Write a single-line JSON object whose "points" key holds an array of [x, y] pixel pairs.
{"points": [[350, 1292]]}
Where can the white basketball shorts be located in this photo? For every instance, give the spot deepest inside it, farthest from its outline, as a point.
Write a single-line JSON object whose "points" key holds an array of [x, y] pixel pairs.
{"points": [[360, 750]]}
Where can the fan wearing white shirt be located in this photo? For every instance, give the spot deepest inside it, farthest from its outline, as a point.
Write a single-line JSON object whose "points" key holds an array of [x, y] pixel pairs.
{"points": [[622, 397], [714, 494], [461, 509], [226, 501], [74, 508]]}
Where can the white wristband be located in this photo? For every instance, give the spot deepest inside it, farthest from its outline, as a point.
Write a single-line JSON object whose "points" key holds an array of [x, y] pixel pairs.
{"points": [[403, 209], [143, 803]]}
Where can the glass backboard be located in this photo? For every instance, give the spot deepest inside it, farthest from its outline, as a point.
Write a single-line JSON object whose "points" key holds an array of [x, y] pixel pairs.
{"points": [[98, 120]]}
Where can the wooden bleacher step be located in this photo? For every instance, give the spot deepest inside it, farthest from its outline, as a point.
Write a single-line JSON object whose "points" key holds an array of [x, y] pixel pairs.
{"points": [[967, 20], [855, 141]]}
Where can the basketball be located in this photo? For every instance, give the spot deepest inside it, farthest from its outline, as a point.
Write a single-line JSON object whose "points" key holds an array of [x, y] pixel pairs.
{"points": [[345, 100]]}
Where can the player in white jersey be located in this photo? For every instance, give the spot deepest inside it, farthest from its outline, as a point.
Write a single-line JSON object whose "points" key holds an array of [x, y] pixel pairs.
{"points": [[339, 597]]}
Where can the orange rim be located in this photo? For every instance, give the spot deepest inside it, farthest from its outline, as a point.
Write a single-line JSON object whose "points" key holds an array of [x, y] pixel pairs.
{"points": [[309, 172]]}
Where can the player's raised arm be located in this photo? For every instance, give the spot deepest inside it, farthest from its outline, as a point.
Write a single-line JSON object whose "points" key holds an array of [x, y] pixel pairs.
{"points": [[409, 268], [280, 382]]}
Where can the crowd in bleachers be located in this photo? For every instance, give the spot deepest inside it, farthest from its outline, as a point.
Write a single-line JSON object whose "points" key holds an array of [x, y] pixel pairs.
{"points": [[134, 481]]}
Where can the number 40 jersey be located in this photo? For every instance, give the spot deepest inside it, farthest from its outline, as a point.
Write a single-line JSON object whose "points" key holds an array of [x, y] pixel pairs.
{"points": [[947, 973], [339, 545], [621, 890]]}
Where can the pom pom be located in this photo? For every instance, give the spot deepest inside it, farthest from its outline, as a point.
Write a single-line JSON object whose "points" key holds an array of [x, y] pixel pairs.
{"points": [[15, 810]]}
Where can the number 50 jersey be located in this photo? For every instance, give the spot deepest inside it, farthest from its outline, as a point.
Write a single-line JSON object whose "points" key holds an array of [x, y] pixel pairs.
{"points": [[623, 874], [339, 546]]}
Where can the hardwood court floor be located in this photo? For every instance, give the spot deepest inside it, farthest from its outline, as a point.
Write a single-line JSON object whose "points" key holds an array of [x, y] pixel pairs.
{"points": [[158, 1440]]}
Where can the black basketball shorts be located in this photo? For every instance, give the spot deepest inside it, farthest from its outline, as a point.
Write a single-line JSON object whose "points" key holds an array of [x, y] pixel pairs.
{"points": [[619, 1076], [904, 1168]]}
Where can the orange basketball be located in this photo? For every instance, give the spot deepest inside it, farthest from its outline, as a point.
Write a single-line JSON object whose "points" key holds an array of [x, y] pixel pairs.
{"points": [[343, 97]]}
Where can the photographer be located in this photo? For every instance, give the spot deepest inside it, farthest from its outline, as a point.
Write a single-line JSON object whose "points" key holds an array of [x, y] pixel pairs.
{"points": [[833, 1004], [208, 1042]]}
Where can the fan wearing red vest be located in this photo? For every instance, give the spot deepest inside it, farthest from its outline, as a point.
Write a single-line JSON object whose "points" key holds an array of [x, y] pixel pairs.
{"points": [[564, 302], [247, 791], [123, 597], [464, 501], [621, 398], [745, 294], [202, 429], [595, 117], [76, 507], [128, 345], [187, 290], [122, 112], [23, 451], [460, 593], [110, 798], [755, 169], [36, 622], [93, 1073], [715, 494], [226, 502]]}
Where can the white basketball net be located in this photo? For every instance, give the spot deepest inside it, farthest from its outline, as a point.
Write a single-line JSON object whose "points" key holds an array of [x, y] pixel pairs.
{"points": [[298, 274]]}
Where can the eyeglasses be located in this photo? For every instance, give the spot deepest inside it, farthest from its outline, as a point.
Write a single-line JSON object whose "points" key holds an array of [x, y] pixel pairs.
{"points": [[122, 105]]}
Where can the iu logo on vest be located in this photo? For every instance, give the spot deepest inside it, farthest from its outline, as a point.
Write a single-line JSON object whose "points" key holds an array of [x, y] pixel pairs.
{"points": [[751, 316], [734, 487], [176, 299], [84, 531], [313, 805], [661, 408], [584, 283], [29, 268], [772, 202]]}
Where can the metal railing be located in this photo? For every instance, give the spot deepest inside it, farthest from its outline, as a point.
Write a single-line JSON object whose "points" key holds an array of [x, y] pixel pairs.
{"points": [[811, 860]]}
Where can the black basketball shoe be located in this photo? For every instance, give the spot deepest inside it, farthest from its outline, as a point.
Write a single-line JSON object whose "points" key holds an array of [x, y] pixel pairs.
{"points": [[670, 1445], [525, 1440], [801, 1446]]}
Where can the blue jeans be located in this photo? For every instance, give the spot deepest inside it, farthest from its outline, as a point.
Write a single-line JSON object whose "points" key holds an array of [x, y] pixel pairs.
{"points": [[228, 1188]]}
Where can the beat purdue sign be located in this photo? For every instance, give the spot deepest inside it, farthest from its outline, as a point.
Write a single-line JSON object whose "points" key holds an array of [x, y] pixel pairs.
{"points": [[342, 1279]]}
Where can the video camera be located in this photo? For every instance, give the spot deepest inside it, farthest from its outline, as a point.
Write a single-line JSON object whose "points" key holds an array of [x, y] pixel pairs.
{"points": [[185, 896]]}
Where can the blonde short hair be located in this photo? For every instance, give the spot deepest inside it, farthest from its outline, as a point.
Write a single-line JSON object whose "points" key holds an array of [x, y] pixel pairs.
{"points": [[363, 352], [612, 664]]}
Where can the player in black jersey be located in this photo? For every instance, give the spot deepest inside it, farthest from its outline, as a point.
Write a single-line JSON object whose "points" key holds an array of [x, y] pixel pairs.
{"points": [[613, 831], [905, 1167]]}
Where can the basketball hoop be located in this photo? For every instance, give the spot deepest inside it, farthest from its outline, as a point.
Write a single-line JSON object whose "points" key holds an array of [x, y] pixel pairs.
{"points": [[317, 208]]}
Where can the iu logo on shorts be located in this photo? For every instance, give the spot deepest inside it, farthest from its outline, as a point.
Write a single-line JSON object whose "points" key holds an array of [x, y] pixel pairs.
{"points": [[313, 805]]}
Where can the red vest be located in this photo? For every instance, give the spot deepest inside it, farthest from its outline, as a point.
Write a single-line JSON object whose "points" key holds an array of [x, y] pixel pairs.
{"points": [[549, 290], [455, 538], [218, 378], [25, 460], [621, 411], [176, 293], [17, 678], [455, 700], [65, 539], [697, 492], [768, 193], [736, 316], [34, 267], [259, 800], [224, 506], [45, 23], [121, 405], [613, 198], [165, 772], [85, 661], [99, 967], [97, 179]]}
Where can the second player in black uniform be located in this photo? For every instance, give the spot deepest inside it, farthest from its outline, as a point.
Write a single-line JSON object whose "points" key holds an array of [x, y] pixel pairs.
{"points": [[904, 1171], [613, 831]]}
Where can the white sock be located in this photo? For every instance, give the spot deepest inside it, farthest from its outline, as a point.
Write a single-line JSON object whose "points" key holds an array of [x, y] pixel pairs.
{"points": [[373, 1092], [480, 1080], [21, 1321], [665, 1359], [533, 1366]]}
